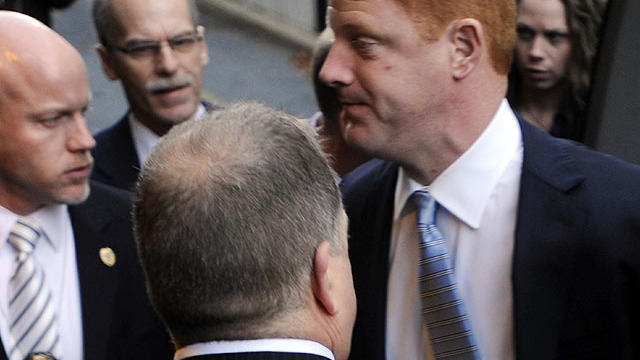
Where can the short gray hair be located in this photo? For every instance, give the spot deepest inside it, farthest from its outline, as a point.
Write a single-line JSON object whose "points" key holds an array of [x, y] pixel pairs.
{"points": [[104, 21], [228, 214]]}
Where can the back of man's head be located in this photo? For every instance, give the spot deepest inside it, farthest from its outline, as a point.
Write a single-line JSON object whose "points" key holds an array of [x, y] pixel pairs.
{"points": [[229, 214]]}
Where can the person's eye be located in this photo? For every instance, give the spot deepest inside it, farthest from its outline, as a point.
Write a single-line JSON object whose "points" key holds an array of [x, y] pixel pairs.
{"points": [[364, 46], [557, 38], [524, 33], [182, 43], [143, 49], [53, 121]]}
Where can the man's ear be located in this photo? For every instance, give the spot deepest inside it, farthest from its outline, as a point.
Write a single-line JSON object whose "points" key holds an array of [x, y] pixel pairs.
{"points": [[204, 50], [107, 63], [467, 39], [321, 282]]}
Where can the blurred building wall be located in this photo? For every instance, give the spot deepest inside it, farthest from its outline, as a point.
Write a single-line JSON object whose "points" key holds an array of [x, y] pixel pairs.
{"points": [[294, 20], [301, 13]]}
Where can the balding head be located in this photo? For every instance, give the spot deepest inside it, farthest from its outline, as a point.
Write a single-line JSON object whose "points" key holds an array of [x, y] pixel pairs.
{"points": [[30, 52], [44, 141]]}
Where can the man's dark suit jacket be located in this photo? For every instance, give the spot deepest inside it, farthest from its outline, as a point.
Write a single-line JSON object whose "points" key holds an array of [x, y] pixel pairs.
{"points": [[39, 9], [117, 318], [259, 356], [116, 160], [576, 261], [115, 157]]}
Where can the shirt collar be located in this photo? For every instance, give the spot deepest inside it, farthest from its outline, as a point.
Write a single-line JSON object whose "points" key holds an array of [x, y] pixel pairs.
{"points": [[259, 345], [53, 220], [464, 188], [145, 140]]}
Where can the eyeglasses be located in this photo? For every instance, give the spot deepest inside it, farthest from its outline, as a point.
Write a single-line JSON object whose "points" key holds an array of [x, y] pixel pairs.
{"points": [[149, 49]]}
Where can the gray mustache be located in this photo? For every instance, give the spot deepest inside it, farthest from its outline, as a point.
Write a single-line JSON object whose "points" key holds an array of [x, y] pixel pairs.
{"points": [[165, 84]]}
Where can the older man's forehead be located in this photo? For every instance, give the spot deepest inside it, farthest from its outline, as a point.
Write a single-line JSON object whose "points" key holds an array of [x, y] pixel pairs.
{"points": [[142, 19]]}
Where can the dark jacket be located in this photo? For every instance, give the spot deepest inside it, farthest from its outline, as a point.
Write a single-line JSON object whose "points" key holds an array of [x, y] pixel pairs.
{"points": [[117, 318], [39, 9], [576, 261]]}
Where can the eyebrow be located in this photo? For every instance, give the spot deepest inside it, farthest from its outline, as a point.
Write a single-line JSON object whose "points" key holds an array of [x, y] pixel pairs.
{"points": [[544, 31], [60, 110], [134, 40]]}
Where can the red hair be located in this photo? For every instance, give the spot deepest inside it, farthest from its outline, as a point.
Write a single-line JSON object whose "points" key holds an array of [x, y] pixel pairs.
{"points": [[498, 17]]}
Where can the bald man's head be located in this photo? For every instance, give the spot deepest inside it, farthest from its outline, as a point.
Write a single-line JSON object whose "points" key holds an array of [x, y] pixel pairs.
{"points": [[29, 50], [44, 141]]}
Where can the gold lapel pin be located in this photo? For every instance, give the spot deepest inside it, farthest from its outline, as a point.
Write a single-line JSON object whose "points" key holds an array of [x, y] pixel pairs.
{"points": [[107, 256]]}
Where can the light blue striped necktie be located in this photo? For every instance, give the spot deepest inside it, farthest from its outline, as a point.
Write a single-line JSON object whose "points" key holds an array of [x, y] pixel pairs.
{"points": [[32, 320], [442, 307]]}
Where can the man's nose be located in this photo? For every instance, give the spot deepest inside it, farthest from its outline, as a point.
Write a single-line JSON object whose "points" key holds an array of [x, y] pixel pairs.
{"points": [[80, 138], [337, 70], [166, 62]]}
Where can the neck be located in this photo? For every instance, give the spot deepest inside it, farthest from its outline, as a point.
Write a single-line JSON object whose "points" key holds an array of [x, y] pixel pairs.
{"points": [[540, 106], [159, 127], [463, 122], [18, 202]]}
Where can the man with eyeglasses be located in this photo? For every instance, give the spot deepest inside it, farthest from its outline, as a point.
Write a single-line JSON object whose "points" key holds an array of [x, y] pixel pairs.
{"points": [[157, 51]]}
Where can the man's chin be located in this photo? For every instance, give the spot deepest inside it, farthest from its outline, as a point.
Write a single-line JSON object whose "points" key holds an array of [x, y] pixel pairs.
{"points": [[356, 136], [77, 195], [176, 115]]}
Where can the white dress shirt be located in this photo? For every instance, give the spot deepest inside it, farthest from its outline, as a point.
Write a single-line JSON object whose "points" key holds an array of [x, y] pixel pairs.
{"points": [[478, 198], [260, 345], [144, 140], [56, 253]]}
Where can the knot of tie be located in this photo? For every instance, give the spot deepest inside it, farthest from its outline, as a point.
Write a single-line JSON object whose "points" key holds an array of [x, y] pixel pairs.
{"points": [[23, 235], [426, 206]]}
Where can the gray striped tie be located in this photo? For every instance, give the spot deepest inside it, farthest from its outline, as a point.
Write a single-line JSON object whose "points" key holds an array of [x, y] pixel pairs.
{"points": [[442, 307], [32, 320]]}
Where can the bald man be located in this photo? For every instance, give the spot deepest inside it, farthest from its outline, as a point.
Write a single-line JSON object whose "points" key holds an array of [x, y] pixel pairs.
{"points": [[70, 282]]}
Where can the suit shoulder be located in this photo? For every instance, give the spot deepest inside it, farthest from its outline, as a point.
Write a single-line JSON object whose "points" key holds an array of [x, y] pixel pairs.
{"points": [[366, 174], [374, 178], [606, 170], [105, 203], [111, 141], [566, 165], [111, 133], [103, 192]]}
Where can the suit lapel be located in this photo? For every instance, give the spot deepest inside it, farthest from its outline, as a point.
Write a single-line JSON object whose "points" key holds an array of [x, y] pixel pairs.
{"points": [[3, 353], [115, 155], [547, 222], [370, 228], [97, 280]]}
